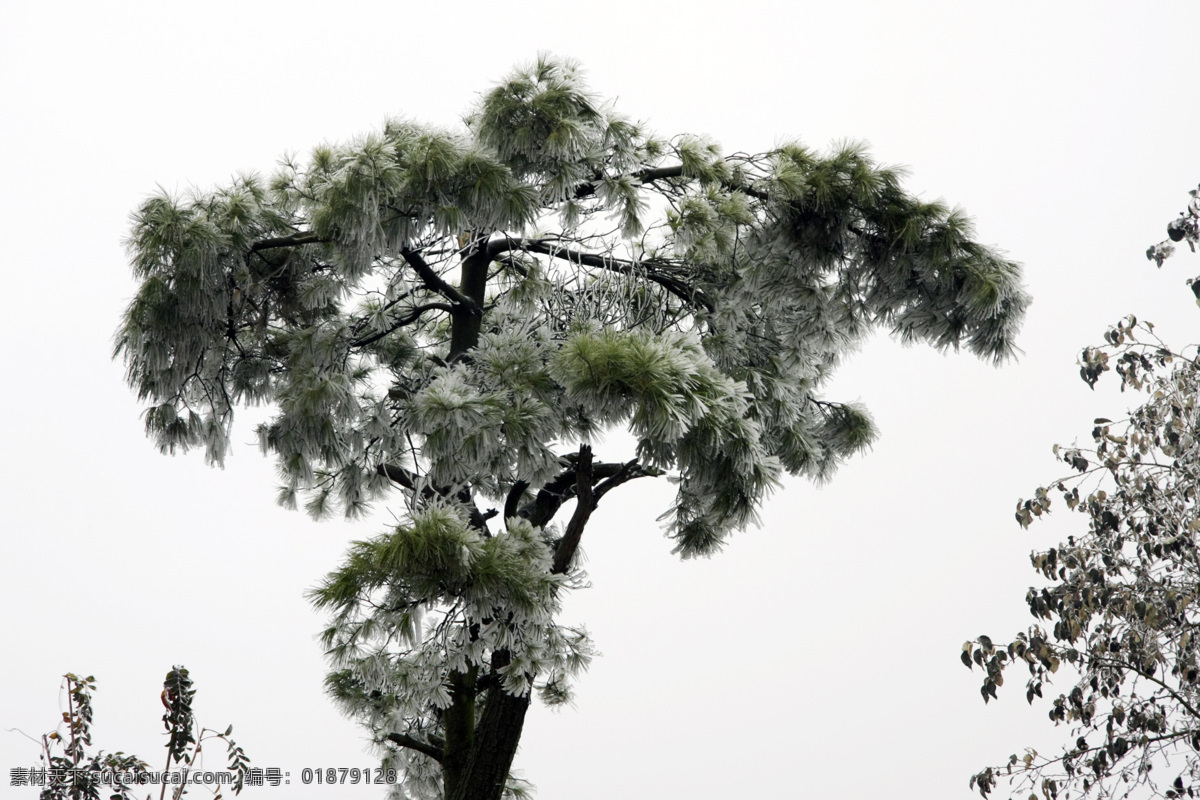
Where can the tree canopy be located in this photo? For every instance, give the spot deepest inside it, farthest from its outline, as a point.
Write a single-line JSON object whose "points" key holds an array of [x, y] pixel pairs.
{"points": [[1118, 607], [458, 315]]}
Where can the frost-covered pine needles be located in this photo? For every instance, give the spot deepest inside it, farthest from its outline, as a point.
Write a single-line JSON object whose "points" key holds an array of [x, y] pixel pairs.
{"points": [[458, 315]]}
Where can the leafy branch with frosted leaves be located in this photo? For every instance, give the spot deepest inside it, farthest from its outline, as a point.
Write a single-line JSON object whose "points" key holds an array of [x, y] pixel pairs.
{"points": [[1120, 606], [459, 316], [1186, 228], [75, 775]]}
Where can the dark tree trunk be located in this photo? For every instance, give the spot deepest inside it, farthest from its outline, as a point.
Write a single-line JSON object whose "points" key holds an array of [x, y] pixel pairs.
{"points": [[496, 737], [459, 721], [496, 732], [466, 322]]}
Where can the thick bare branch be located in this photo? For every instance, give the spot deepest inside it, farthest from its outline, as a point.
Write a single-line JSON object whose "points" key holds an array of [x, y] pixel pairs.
{"points": [[648, 175], [629, 471], [416, 744], [512, 501], [584, 506], [409, 480], [291, 240], [434, 282], [652, 174], [550, 498], [407, 319], [676, 287]]}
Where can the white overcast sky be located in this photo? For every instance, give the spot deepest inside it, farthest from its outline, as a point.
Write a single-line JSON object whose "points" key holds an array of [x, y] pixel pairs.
{"points": [[817, 656]]}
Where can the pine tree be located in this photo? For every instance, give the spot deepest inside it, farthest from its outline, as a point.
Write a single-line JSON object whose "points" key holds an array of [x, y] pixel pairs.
{"points": [[456, 316]]}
